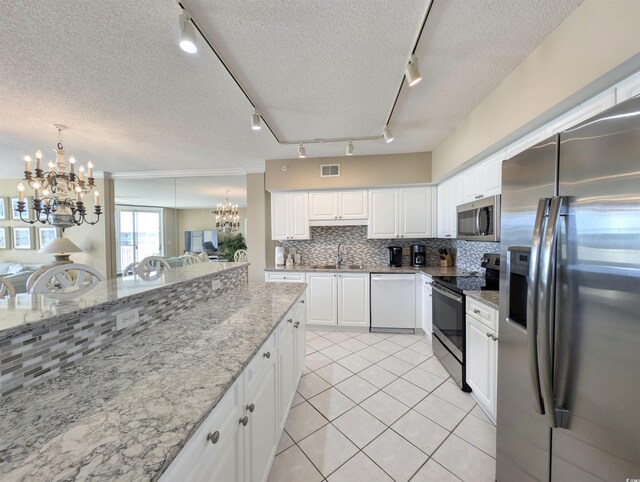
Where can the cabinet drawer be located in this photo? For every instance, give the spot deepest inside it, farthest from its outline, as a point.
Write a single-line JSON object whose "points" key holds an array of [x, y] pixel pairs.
{"points": [[287, 323], [261, 361], [483, 313], [284, 277], [220, 425]]}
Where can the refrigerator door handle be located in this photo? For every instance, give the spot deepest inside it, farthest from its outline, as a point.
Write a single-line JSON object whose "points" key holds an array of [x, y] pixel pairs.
{"points": [[532, 302], [546, 307]]}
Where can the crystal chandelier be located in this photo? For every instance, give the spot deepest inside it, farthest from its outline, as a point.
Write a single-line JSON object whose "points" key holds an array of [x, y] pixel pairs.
{"points": [[227, 218], [54, 189]]}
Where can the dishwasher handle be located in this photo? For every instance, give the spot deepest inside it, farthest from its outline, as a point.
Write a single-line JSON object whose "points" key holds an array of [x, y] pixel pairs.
{"points": [[393, 277]]}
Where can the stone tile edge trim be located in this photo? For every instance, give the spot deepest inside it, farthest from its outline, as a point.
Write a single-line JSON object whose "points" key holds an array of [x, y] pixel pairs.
{"points": [[37, 354]]}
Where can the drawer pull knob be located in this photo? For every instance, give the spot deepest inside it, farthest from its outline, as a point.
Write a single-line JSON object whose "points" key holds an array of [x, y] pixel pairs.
{"points": [[302, 301], [489, 335], [251, 407], [476, 311], [244, 421], [296, 324], [290, 320], [267, 354], [213, 437]]}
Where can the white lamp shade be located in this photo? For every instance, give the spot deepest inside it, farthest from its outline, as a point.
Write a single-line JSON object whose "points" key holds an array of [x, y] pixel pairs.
{"points": [[60, 245]]}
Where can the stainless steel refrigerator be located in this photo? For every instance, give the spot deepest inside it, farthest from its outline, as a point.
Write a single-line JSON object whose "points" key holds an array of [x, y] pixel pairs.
{"points": [[569, 352]]}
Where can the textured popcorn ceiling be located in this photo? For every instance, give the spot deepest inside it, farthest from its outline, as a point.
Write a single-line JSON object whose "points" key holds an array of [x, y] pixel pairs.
{"points": [[114, 72]]}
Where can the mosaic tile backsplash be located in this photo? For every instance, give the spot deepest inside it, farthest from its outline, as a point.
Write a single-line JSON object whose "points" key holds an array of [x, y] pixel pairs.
{"points": [[321, 248], [39, 354]]}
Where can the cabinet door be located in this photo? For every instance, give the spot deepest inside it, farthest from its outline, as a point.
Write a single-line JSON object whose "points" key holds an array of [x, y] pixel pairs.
{"points": [[427, 305], [584, 111], [298, 225], [226, 464], [383, 222], [300, 341], [416, 212], [353, 299], [261, 433], [279, 208], [286, 367], [321, 297], [352, 204], [444, 210], [491, 172], [481, 361], [455, 200], [323, 205], [471, 184]]}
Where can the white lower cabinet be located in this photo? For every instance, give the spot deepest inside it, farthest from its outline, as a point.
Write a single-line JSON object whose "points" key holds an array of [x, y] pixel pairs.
{"points": [[338, 299], [238, 440], [482, 356], [427, 306]]}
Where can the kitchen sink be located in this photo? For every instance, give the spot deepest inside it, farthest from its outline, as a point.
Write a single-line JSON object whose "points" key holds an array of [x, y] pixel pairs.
{"points": [[333, 266]]}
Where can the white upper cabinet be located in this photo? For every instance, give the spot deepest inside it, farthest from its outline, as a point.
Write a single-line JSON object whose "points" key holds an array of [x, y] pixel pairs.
{"points": [[290, 215], [484, 179], [383, 218], [417, 212], [353, 204], [338, 205], [628, 88], [402, 213], [449, 197]]}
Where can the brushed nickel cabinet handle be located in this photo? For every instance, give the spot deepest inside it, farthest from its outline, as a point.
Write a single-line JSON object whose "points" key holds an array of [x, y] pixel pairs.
{"points": [[244, 421], [290, 320], [475, 310], [251, 407], [296, 324], [267, 354], [213, 437]]}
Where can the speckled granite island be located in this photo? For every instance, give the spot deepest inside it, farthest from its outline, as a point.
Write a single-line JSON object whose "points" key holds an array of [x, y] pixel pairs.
{"points": [[125, 413]]}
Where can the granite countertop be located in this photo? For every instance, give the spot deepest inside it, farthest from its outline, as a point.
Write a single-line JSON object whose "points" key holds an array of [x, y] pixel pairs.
{"points": [[371, 268], [125, 413], [490, 298], [25, 312]]}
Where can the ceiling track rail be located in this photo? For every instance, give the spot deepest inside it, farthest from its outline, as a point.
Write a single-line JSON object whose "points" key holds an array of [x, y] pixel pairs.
{"points": [[413, 51], [309, 141]]}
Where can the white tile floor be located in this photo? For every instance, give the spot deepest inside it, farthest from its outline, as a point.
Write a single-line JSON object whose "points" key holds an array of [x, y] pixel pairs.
{"points": [[376, 407]]}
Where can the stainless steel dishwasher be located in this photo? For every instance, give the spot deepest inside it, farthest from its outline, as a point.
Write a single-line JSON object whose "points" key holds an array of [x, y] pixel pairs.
{"points": [[393, 303]]}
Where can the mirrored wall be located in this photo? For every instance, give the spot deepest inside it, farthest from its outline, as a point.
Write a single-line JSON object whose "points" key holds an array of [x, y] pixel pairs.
{"points": [[170, 216]]}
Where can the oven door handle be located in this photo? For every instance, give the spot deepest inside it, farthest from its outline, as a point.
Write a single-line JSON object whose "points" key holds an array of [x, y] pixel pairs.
{"points": [[447, 293]]}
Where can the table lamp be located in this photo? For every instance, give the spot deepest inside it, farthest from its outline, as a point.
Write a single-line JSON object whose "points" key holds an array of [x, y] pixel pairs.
{"points": [[61, 249]]}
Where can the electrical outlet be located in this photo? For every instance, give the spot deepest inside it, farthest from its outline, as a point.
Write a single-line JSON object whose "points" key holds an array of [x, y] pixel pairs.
{"points": [[406, 252], [216, 284], [127, 318]]}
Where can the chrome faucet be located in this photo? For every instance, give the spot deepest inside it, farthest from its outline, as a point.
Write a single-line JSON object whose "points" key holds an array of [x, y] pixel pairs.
{"points": [[340, 256]]}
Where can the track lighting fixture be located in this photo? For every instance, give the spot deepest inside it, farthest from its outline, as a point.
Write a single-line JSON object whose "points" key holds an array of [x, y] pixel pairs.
{"points": [[350, 149], [386, 133], [256, 124], [412, 73], [187, 34], [302, 153]]}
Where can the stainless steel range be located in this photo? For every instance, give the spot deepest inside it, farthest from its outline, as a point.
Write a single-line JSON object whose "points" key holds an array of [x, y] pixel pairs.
{"points": [[449, 332]]}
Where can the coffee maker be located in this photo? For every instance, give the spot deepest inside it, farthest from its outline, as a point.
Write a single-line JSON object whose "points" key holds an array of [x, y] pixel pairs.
{"points": [[394, 256], [418, 255]]}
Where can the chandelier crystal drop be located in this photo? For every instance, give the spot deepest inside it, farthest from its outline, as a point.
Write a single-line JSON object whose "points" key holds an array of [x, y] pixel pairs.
{"points": [[58, 192], [227, 217]]}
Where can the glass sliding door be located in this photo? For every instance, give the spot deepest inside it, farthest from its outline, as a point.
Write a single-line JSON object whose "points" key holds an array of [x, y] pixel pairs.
{"points": [[138, 234]]}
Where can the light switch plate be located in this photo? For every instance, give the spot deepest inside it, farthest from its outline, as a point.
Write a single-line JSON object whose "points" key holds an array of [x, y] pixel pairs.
{"points": [[127, 318], [216, 284]]}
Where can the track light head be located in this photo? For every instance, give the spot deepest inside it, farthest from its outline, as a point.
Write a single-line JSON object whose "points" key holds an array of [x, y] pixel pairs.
{"points": [[256, 123], [412, 73], [350, 149], [302, 153], [386, 133], [187, 34]]}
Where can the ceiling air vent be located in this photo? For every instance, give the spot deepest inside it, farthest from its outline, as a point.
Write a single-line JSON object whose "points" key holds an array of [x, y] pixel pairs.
{"points": [[329, 170]]}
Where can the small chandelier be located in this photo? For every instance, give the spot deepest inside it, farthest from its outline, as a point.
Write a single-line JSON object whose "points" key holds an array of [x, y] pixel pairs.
{"points": [[227, 218], [53, 191]]}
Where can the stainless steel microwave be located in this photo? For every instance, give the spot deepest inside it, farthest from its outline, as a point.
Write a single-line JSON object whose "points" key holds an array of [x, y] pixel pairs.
{"points": [[479, 220]]}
